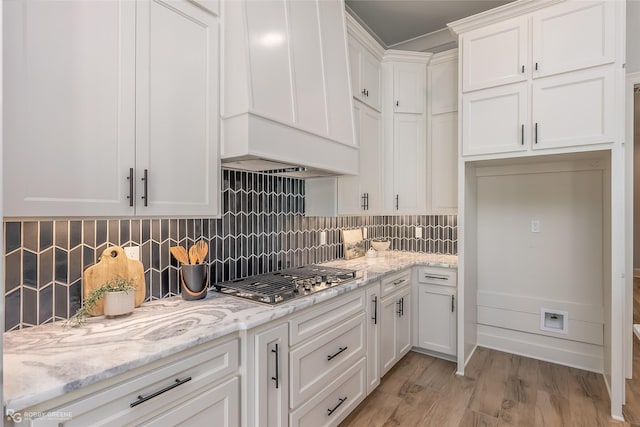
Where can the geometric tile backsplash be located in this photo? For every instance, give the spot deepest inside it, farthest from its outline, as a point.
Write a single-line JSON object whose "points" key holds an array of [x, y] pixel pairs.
{"points": [[262, 229]]}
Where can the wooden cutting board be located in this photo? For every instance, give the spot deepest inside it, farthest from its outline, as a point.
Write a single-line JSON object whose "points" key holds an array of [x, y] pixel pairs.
{"points": [[113, 264]]}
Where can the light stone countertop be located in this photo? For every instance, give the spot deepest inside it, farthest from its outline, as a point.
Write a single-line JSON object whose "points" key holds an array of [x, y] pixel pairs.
{"points": [[47, 361]]}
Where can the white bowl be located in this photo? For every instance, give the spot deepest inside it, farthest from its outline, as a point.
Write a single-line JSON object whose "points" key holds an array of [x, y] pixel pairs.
{"points": [[380, 245]]}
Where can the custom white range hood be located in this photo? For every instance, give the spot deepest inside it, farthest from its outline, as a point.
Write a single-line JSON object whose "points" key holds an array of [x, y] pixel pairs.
{"points": [[286, 95]]}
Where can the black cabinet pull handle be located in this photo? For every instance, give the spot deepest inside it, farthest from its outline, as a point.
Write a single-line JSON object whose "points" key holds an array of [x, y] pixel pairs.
{"points": [[340, 402], [397, 282], [402, 307], [277, 377], [340, 350], [142, 399], [364, 92], [399, 312], [130, 178], [523, 69], [375, 310], [536, 132], [522, 135], [427, 276], [367, 201], [397, 201], [453, 298], [536, 66], [145, 180], [397, 103]]}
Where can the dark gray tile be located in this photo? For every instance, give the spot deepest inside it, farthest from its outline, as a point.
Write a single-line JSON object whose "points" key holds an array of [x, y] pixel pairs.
{"points": [[125, 231], [147, 284], [13, 306], [61, 301], [165, 255], [155, 255], [46, 268], [136, 231], [114, 232], [61, 263], [46, 234], [155, 230], [13, 271], [164, 229], [89, 232], [45, 304], [29, 268], [75, 264], [13, 236], [30, 238], [173, 229], [156, 285], [29, 306], [146, 231], [88, 257], [101, 231], [75, 297], [164, 283], [75, 233]]}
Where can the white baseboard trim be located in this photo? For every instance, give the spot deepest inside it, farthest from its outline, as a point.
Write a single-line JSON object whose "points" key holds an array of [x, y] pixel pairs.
{"points": [[436, 354], [591, 358]]}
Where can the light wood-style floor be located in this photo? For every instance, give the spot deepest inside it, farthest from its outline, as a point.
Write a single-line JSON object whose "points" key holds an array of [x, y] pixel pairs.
{"points": [[631, 410], [497, 389]]}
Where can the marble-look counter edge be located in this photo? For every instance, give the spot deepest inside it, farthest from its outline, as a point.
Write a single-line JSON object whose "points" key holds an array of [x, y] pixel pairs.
{"points": [[134, 341]]}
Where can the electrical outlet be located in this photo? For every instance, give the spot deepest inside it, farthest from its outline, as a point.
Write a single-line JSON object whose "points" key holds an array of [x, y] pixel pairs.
{"points": [[132, 252], [418, 232], [535, 226], [323, 237], [364, 232]]}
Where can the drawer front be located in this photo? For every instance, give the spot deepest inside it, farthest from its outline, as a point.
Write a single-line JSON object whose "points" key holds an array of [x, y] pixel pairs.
{"points": [[325, 317], [335, 402], [437, 276], [321, 360], [395, 282], [174, 382]]}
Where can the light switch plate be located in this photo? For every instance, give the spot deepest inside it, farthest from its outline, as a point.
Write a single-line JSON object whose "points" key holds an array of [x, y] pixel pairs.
{"points": [[418, 232], [132, 252], [535, 226], [364, 232], [323, 237]]}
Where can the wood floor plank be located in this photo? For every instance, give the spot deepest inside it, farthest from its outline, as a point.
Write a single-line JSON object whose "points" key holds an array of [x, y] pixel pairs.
{"points": [[437, 374], [489, 392], [374, 411], [450, 408], [551, 410], [553, 378], [476, 419], [413, 408], [476, 365]]}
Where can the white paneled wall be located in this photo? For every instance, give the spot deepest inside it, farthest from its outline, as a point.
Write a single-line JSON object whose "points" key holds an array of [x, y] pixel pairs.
{"points": [[561, 267]]}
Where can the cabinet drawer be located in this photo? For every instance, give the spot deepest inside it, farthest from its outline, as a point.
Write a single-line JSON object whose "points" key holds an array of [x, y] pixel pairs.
{"points": [[320, 360], [437, 276], [395, 282], [335, 402], [180, 380], [327, 316]]}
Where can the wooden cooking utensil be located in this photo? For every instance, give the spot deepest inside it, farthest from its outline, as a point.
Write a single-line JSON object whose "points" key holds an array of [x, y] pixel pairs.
{"points": [[193, 254], [203, 249], [180, 254]]}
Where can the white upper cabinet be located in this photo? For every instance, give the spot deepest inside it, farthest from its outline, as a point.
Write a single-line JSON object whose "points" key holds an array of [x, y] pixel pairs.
{"points": [[572, 36], [409, 164], [495, 55], [176, 109], [366, 74], [96, 90], [69, 105], [285, 84], [443, 83], [496, 120], [409, 87]]}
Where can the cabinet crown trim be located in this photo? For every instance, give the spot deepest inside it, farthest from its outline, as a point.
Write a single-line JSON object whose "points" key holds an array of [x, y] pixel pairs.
{"points": [[357, 31], [407, 56], [446, 56], [492, 16]]}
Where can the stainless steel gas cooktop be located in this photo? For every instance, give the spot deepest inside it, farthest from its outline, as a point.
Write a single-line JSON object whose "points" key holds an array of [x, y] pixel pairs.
{"points": [[285, 285]]}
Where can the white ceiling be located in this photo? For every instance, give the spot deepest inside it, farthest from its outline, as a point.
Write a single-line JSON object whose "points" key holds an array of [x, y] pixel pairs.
{"points": [[396, 21]]}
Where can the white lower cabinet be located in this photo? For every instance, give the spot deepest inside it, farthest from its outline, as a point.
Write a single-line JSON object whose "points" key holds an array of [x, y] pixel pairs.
{"points": [[200, 385], [437, 318], [395, 332], [373, 337], [334, 402], [268, 372]]}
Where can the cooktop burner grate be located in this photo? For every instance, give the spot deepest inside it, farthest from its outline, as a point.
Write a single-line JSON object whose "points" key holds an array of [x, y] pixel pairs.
{"points": [[277, 287]]}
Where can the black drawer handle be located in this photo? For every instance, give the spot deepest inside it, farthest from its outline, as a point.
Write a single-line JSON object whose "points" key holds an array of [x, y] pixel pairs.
{"points": [[277, 377], [340, 350], [340, 402], [131, 183], [397, 282], [375, 310], [142, 399], [426, 276], [145, 179]]}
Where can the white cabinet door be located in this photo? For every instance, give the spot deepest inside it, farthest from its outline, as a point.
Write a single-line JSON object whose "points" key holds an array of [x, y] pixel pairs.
{"points": [[220, 403], [177, 109], [362, 193], [409, 160], [355, 57], [409, 87], [443, 86], [69, 107], [403, 324], [437, 319], [495, 120], [271, 398], [389, 310], [573, 35], [374, 319], [496, 54], [574, 109], [372, 79], [443, 164]]}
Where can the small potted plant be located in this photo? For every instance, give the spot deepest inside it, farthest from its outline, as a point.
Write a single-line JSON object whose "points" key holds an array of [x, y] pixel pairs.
{"points": [[118, 294]]}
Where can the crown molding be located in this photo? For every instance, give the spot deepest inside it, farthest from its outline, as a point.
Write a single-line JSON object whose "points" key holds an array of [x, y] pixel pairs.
{"points": [[446, 56], [407, 56], [356, 29]]}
